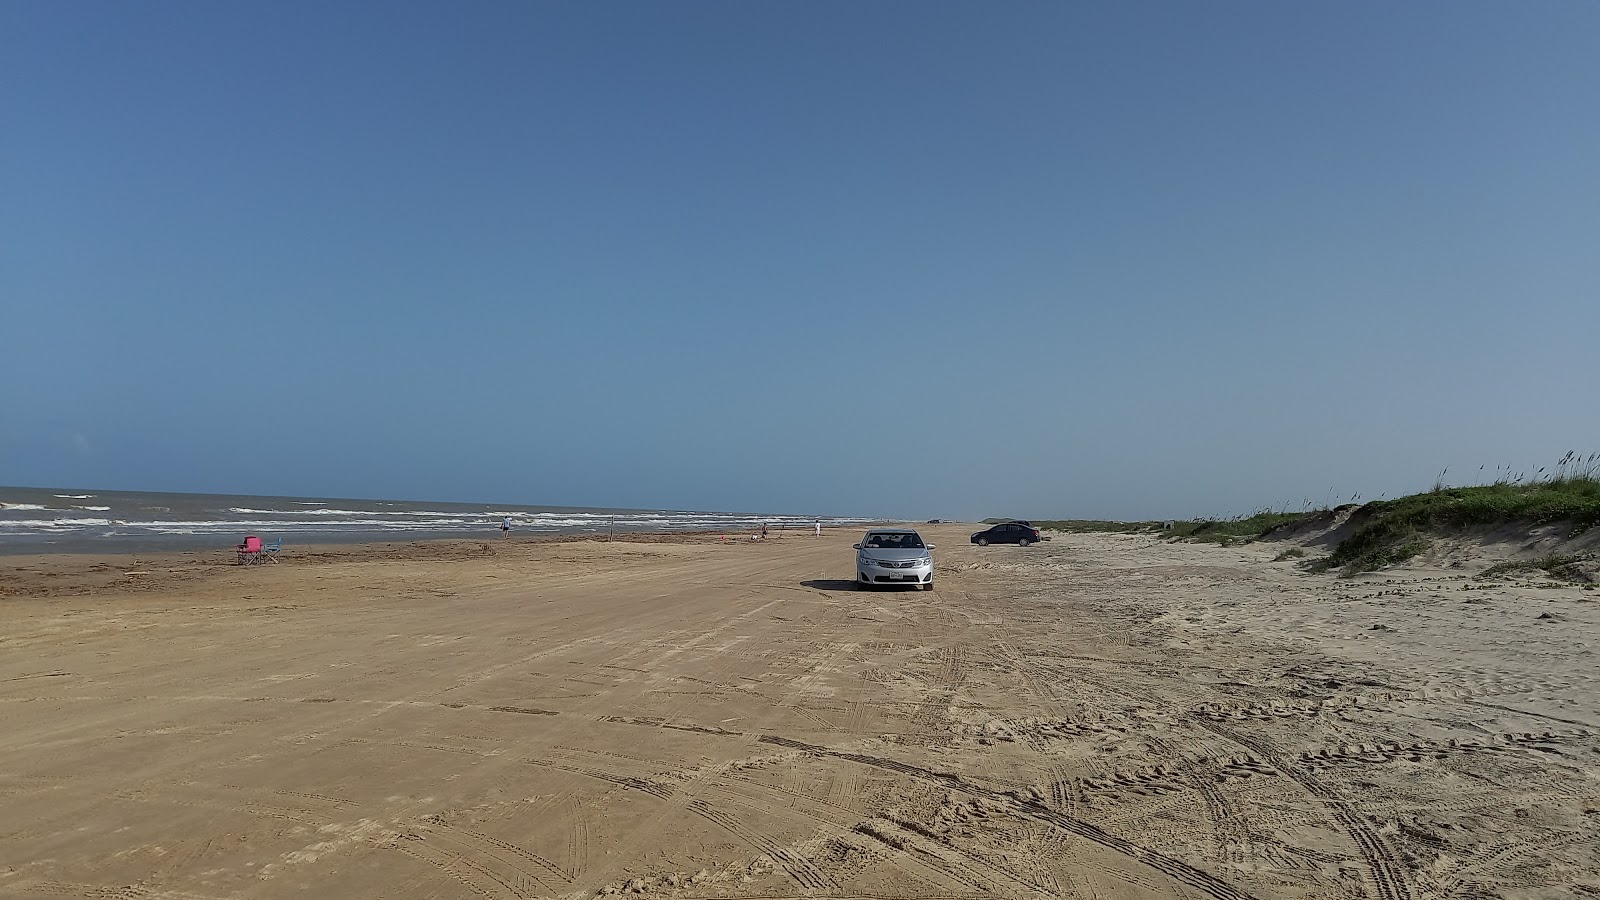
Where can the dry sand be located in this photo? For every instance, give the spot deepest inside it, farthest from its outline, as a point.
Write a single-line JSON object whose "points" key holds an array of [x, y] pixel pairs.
{"points": [[1101, 716]]}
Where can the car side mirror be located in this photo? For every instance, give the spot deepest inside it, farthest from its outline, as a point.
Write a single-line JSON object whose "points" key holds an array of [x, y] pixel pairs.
{"points": [[933, 546], [857, 546]]}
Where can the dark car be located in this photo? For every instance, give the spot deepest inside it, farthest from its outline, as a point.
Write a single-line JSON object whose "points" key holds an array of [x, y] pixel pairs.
{"points": [[1020, 533]]}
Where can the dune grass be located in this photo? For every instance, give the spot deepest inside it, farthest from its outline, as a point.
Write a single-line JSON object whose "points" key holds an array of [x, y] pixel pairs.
{"points": [[1388, 532], [1565, 566], [1222, 531], [1230, 531], [1084, 526], [1396, 530]]}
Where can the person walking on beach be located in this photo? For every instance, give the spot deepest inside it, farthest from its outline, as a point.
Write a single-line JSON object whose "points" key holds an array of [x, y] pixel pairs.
{"points": [[505, 527], [819, 528]]}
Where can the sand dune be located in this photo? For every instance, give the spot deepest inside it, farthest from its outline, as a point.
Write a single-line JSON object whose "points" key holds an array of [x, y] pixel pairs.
{"points": [[1102, 716]]}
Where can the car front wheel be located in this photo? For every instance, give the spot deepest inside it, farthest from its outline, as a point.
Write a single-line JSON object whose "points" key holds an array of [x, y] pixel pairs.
{"points": [[983, 542]]}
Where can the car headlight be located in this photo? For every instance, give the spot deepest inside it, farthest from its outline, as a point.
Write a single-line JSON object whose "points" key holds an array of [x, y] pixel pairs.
{"points": [[925, 561]]}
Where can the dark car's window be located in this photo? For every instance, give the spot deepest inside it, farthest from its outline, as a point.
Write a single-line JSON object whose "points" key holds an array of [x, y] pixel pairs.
{"points": [[893, 542]]}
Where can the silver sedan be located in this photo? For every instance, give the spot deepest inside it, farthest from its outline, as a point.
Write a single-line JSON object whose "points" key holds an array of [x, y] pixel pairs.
{"points": [[894, 556]]}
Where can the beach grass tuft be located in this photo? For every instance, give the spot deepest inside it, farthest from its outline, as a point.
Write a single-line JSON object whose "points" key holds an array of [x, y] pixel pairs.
{"points": [[1563, 566]]}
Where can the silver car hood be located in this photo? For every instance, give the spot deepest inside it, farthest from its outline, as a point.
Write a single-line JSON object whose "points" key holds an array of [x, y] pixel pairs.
{"points": [[894, 554]]}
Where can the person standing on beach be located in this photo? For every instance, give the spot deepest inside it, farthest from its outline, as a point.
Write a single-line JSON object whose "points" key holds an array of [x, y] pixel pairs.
{"points": [[505, 527], [763, 531], [819, 528]]}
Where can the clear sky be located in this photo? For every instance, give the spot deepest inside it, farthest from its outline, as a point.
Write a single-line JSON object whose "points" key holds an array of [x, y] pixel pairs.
{"points": [[889, 258]]}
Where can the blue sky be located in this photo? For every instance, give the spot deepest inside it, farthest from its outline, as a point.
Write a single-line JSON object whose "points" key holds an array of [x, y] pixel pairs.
{"points": [[1114, 260]]}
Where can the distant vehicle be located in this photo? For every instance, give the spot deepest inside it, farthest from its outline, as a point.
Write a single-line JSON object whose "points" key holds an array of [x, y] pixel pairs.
{"points": [[894, 556], [1020, 533], [935, 521]]}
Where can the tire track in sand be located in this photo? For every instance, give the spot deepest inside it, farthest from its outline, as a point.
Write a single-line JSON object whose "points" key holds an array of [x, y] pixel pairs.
{"points": [[1176, 869], [475, 876], [799, 868], [1383, 864]]}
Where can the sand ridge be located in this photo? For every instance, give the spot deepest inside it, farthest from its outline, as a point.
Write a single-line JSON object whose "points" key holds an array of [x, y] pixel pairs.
{"points": [[1102, 716]]}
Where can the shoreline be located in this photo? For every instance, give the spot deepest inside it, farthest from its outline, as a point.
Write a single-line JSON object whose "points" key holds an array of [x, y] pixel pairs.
{"points": [[78, 573], [14, 547], [55, 520]]}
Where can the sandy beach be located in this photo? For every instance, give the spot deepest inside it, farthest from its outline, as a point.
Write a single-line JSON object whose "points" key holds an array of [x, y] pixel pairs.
{"points": [[1100, 716]]}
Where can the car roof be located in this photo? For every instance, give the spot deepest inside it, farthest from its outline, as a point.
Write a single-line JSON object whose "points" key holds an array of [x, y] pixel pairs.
{"points": [[891, 531]]}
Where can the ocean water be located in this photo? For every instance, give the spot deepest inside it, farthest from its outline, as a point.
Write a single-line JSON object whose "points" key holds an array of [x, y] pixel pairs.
{"points": [[46, 520]]}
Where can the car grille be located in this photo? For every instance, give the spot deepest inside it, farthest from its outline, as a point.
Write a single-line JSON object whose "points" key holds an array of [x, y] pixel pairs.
{"points": [[902, 564]]}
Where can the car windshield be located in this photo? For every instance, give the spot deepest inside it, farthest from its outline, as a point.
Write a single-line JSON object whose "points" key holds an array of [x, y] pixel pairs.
{"points": [[892, 542]]}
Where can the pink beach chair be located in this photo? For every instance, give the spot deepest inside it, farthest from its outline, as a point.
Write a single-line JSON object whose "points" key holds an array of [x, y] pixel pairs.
{"points": [[249, 551]]}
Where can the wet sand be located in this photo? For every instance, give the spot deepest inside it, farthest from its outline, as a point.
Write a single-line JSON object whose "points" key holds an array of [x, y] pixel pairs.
{"points": [[1101, 716]]}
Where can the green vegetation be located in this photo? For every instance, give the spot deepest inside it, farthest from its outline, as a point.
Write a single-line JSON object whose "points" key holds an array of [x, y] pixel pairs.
{"points": [[1386, 532], [1083, 526], [1373, 557], [1222, 531], [1568, 567], [1291, 553], [1393, 531], [1229, 531]]}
